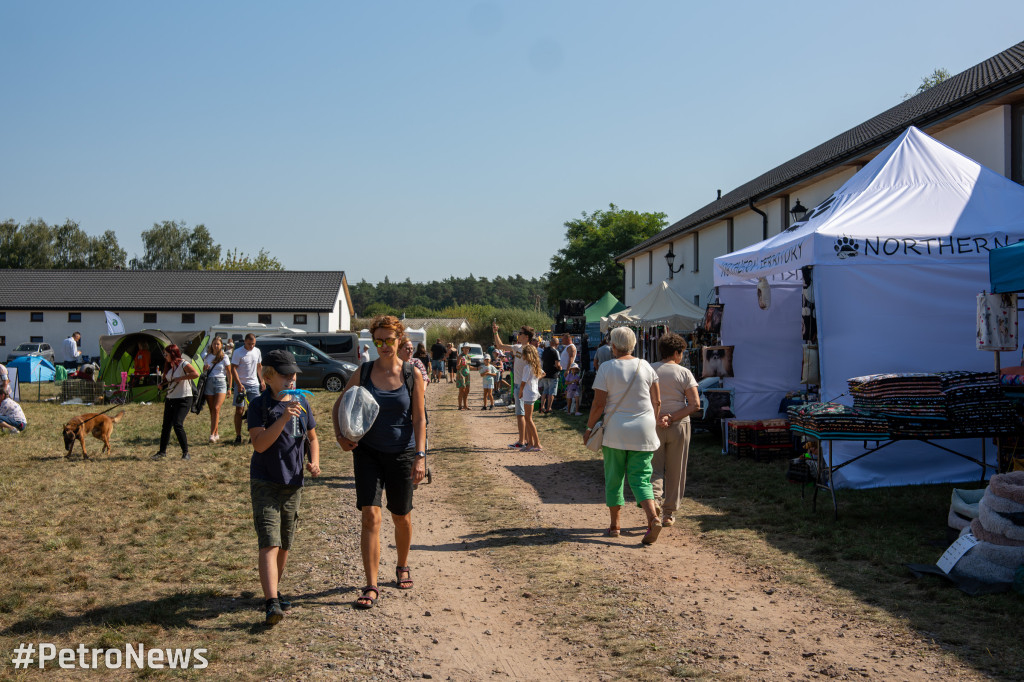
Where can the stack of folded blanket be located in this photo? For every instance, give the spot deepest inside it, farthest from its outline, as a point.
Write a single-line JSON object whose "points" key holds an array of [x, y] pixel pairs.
{"points": [[832, 420], [915, 395], [950, 404], [975, 402], [1000, 528]]}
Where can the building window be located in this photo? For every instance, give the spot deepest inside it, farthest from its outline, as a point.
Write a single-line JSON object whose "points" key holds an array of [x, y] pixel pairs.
{"points": [[730, 236], [148, 318], [263, 318], [3, 316], [227, 318], [188, 318], [74, 317], [299, 319], [1017, 143], [696, 300], [35, 339], [696, 251], [36, 317], [3, 340], [632, 273], [650, 267]]}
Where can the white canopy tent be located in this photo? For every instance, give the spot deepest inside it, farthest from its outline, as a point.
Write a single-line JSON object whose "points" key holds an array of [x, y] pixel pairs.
{"points": [[661, 306], [898, 254]]}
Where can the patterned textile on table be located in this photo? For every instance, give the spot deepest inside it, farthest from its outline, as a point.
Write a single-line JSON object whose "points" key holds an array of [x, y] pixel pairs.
{"points": [[832, 420], [975, 401], [915, 395], [950, 404]]}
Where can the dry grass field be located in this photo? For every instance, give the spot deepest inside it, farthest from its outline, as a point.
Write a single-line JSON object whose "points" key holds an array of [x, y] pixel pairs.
{"points": [[122, 549]]}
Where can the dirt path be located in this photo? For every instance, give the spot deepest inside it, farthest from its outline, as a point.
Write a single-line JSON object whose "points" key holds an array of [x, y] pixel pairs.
{"points": [[468, 619], [463, 620], [733, 621]]}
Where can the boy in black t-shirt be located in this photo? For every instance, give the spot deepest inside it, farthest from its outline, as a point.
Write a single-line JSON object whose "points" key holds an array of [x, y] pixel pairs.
{"points": [[279, 430]]}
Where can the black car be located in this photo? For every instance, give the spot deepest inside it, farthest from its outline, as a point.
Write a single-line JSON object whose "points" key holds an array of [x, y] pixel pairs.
{"points": [[318, 368]]}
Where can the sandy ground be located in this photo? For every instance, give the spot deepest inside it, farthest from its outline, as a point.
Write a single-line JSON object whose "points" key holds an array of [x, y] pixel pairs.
{"points": [[466, 620]]}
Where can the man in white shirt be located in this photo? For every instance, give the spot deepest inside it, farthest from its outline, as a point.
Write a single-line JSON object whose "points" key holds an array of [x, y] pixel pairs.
{"points": [[524, 336], [72, 355], [566, 356], [247, 374]]}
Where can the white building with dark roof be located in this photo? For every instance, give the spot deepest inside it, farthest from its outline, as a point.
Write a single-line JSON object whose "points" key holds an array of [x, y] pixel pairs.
{"points": [[49, 305], [979, 113]]}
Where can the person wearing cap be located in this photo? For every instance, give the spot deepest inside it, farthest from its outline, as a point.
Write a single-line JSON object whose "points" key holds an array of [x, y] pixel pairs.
{"points": [[390, 458], [572, 389], [280, 426], [523, 337]]}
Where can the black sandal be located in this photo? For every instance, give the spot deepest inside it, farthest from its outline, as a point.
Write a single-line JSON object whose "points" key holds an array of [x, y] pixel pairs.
{"points": [[371, 600], [406, 583]]}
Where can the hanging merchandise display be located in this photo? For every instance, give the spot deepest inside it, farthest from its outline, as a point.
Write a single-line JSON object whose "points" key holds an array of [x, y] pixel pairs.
{"points": [[713, 318], [764, 293], [808, 316], [997, 322], [717, 361], [809, 373]]}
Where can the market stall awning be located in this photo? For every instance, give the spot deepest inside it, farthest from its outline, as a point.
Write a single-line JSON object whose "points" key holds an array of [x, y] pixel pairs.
{"points": [[661, 306], [602, 307], [1006, 268]]}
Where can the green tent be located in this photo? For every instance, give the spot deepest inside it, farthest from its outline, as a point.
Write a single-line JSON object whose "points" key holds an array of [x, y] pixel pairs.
{"points": [[602, 307], [117, 355]]}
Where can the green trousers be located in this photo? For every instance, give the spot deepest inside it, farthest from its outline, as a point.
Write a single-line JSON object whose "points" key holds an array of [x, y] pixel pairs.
{"points": [[629, 464]]}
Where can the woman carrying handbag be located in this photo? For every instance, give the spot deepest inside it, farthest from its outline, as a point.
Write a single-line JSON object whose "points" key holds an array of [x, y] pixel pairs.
{"points": [[628, 433]]}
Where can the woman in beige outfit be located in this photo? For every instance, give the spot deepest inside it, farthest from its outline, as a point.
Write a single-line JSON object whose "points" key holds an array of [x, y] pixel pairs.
{"points": [[679, 399]]}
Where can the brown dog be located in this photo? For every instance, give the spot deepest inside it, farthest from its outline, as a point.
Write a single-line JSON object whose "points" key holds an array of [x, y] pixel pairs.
{"points": [[99, 425]]}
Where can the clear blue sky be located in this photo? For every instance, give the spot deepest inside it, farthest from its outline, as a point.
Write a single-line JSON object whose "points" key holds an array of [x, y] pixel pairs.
{"points": [[429, 139]]}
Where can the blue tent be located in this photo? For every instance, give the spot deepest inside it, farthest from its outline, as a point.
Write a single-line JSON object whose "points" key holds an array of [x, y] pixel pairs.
{"points": [[1006, 268], [32, 368]]}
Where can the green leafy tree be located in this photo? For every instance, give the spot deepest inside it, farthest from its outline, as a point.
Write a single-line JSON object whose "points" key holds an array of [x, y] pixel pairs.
{"points": [[234, 260], [930, 81], [173, 246], [585, 268], [36, 245]]}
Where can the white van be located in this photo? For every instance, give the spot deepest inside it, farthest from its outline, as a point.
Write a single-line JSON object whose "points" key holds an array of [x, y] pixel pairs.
{"points": [[237, 332], [417, 336]]}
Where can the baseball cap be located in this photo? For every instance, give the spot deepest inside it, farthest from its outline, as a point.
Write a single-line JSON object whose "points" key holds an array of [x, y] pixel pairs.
{"points": [[282, 361]]}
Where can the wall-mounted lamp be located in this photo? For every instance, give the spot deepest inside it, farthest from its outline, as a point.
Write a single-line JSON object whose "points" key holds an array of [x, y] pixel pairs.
{"points": [[670, 258], [798, 212]]}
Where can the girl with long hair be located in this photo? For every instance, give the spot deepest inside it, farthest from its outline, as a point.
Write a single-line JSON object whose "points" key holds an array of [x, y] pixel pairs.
{"points": [[529, 391], [217, 366]]}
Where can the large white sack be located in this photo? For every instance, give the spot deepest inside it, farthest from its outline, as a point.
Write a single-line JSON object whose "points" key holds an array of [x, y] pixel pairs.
{"points": [[357, 412]]}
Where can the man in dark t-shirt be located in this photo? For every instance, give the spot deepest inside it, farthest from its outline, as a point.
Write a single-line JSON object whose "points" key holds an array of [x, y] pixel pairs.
{"points": [[549, 383], [437, 355]]}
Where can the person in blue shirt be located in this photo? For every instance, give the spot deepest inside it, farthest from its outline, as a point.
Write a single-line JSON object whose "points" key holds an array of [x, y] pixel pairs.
{"points": [[280, 426]]}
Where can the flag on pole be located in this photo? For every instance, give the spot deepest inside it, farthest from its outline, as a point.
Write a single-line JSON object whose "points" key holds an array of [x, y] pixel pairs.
{"points": [[114, 323]]}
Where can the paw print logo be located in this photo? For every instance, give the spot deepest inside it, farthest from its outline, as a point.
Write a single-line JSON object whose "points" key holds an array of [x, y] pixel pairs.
{"points": [[846, 248]]}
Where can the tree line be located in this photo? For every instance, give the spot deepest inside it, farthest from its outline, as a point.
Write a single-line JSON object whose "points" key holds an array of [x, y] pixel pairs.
{"points": [[168, 245], [583, 269], [427, 299]]}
